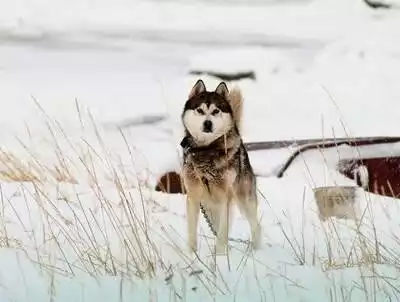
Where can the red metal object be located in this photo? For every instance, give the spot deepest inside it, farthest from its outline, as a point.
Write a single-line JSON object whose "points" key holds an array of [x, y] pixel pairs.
{"points": [[170, 182], [330, 143], [383, 174]]}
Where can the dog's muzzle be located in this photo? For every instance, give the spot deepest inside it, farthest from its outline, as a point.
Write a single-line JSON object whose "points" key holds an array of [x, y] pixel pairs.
{"points": [[207, 126]]}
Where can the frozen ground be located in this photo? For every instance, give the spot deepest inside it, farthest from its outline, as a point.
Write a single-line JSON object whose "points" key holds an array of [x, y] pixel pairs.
{"points": [[90, 227]]}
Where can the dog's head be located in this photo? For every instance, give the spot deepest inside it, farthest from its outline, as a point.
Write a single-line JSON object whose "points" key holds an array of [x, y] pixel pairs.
{"points": [[207, 115]]}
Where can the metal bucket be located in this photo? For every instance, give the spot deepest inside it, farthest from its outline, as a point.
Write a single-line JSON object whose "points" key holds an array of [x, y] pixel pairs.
{"points": [[336, 201]]}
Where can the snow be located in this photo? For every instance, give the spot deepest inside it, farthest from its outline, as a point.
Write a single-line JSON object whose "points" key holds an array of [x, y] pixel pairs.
{"points": [[92, 228]]}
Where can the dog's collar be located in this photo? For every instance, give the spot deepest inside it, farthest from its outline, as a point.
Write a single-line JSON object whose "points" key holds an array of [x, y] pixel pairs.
{"points": [[188, 145], [185, 143]]}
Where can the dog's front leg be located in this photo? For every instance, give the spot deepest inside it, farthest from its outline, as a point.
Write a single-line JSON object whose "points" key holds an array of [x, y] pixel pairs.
{"points": [[223, 229], [192, 213], [249, 207], [224, 204]]}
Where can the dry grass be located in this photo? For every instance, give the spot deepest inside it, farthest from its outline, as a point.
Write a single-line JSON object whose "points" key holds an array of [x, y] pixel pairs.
{"points": [[13, 169], [82, 236], [362, 248], [105, 231], [110, 229]]}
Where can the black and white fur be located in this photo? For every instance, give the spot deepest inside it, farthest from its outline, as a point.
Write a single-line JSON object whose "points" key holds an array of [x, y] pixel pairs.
{"points": [[216, 167]]}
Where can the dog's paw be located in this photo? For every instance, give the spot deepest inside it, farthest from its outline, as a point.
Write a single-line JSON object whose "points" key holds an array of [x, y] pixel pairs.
{"points": [[192, 248], [256, 245], [256, 240]]}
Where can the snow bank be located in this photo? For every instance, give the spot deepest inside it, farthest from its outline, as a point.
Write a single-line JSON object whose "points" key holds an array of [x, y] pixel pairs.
{"points": [[198, 22], [87, 236], [348, 87]]}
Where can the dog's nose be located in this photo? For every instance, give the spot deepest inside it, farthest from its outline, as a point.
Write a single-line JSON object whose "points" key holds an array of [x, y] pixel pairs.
{"points": [[207, 126]]}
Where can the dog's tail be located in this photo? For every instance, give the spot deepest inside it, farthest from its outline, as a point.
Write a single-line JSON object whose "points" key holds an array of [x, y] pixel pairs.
{"points": [[235, 99]]}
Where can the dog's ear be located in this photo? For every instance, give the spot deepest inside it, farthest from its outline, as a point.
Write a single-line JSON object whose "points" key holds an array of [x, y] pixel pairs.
{"points": [[222, 90], [198, 88]]}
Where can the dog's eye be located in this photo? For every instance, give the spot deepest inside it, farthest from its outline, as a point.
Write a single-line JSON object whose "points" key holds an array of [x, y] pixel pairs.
{"points": [[215, 111], [200, 111]]}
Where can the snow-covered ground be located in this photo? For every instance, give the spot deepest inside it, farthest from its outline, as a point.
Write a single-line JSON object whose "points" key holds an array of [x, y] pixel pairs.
{"points": [[92, 228]]}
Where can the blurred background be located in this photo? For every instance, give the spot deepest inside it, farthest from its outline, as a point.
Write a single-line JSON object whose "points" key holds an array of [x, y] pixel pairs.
{"points": [[308, 68]]}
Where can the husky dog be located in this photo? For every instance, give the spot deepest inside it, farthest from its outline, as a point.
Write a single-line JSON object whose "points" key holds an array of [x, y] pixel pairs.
{"points": [[216, 166]]}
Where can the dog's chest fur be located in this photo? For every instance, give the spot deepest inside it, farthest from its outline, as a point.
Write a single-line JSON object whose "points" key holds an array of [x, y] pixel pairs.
{"points": [[217, 163]]}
